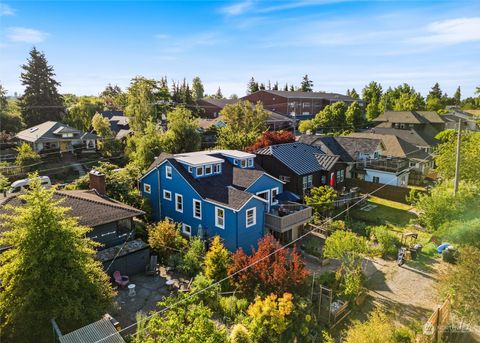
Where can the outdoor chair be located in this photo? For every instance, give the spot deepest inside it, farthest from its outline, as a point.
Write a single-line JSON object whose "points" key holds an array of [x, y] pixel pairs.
{"points": [[152, 267], [121, 280]]}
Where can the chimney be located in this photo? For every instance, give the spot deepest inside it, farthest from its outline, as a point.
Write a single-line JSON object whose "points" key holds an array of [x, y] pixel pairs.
{"points": [[97, 182]]}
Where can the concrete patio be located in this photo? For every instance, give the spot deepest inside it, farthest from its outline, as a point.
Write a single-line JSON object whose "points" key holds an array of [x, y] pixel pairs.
{"points": [[149, 290]]}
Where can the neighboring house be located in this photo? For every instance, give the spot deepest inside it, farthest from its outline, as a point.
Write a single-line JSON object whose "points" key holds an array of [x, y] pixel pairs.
{"points": [[302, 166], [416, 127], [300, 105], [119, 123], [469, 121], [219, 192], [397, 156], [211, 107], [53, 136], [111, 221], [351, 150]]}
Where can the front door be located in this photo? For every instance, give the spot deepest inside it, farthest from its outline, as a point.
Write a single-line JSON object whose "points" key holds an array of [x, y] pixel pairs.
{"points": [[64, 146]]}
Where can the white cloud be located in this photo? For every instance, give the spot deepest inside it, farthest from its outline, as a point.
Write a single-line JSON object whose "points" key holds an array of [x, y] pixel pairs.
{"points": [[26, 35], [161, 36], [237, 8], [6, 10], [451, 31]]}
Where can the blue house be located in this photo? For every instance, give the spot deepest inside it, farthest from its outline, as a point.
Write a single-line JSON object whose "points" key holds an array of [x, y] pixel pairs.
{"points": [[219, 192]]}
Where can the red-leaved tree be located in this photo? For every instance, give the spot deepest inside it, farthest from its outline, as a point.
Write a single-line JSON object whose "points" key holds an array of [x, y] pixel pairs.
{"points": [[271, 138], [281, 272]]}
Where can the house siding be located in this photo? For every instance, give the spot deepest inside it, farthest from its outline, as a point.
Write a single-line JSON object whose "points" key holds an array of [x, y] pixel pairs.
{"points": [[235, 234]]}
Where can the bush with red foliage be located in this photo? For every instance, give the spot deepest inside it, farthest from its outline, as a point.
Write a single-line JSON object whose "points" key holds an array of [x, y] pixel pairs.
{"points": [[278, 273], [271, 138]]}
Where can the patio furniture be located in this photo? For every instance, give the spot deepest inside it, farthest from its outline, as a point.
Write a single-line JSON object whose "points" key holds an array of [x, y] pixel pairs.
{"points": [[152, 268], [131, 290], [170, 284], [121, 280]]}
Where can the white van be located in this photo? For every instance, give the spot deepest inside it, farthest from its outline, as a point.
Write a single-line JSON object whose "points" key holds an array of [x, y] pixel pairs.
{"points": [[20, 185]]}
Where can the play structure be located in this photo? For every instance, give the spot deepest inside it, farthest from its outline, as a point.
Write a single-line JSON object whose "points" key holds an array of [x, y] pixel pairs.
{"points": [[409, 248]]}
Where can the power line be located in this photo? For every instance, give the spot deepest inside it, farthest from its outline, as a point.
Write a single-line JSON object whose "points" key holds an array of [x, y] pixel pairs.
{"points": [[248, 266]]}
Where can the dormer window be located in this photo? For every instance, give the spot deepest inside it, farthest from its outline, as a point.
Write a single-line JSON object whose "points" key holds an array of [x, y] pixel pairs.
{"points": [[235, 162], [200, 171], [208, 170], [250, 162], [218, 168], [189, 169], [67, 135], [244, 163]]}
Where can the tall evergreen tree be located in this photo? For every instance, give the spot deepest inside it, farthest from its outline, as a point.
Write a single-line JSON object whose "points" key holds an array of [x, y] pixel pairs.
{"points": [[218, 94], [197, 88], [41, 101], [262, 86], [353, 93], [50, 271], [292, 88], [275, 86], [457, 97], [252, 86], [286, 87], [306, 85]]}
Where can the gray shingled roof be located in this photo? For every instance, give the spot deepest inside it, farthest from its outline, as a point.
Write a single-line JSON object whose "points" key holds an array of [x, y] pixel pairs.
{"points": [[90, 208], [413, 136], [410, 117], [218, 102], [300, 158], [48, 131], [226, 188]]}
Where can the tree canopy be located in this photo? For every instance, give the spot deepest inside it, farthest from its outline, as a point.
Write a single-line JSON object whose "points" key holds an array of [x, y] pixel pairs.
{"points": [[50, 271], [182, 134]]}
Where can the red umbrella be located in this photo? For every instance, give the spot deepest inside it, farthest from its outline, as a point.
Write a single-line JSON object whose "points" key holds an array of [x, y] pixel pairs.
{"points": [[332, 179]]}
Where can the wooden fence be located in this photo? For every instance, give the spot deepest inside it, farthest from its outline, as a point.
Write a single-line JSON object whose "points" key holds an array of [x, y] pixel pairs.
{"points": [[437, 323], [389, 192]]}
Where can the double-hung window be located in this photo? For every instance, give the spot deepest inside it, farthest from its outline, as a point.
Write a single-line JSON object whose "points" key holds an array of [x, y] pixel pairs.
{"points": [[250, 162], [208, 170], [218, 168], [251, 217], [244, 163], [168, 172], [219, 217], [197, 209], [167, 195], [179, 203], [307, 181], [199, 171]]}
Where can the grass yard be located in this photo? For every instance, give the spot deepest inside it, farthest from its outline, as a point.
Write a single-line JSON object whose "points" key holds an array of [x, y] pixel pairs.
{"points": [[384, 212]]}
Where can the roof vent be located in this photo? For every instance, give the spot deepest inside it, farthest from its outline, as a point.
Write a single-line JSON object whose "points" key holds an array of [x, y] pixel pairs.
{"points": [[33, 129]]}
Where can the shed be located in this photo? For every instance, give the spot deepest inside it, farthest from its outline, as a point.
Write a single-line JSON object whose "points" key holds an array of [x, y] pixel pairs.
{"points": [[103, 330]]}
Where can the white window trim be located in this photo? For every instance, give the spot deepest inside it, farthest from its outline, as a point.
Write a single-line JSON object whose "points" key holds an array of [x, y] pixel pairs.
{"points": [[178, 196], [272, 197], [145, 185], [243, 163], [235, 162], [218, 168], [168, 170], [211, 170], [185, 231], [189, 169], [217, 224], [250, 162], [195, 201], [254, 217], [197, 173], [165, 192], [268, 195]]}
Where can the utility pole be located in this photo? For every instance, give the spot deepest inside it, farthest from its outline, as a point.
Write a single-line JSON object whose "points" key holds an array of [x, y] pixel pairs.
{"points": [[457, 164]]}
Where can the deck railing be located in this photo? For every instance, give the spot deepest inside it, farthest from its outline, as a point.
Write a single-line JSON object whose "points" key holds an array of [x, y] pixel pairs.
{"points": [[287, 216]]}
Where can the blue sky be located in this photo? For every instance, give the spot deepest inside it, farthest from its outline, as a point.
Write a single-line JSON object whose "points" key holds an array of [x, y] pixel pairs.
{"points": [[339, 44]]}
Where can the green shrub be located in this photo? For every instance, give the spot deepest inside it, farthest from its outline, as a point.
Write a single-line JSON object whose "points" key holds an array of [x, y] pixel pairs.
{"points": [[388, 242], [450, 255], [174, 261], [328, 279], [359, 227], [231, 307], [412, 197], [403, 335], [240, 334], [208, 297], [192, 261]]}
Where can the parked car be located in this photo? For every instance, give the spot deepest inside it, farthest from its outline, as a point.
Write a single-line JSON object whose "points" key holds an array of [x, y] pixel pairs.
{"points": [[21, 185]]}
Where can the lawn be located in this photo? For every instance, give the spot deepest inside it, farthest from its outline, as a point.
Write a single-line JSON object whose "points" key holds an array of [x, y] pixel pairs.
{"points": [[385, 212]]}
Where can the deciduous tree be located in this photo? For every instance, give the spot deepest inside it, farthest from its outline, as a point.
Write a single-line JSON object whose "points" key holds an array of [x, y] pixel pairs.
{"points": [[165, 238], [197, 88], [10, 118], [26, 155], [182, 134], [50, 271], [372, 94], [282, 271], [354, 116], [80, 115], [144, 146], [271, 138]]}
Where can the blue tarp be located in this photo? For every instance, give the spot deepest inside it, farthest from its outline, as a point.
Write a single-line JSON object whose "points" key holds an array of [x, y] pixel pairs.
{"points": [[442, 247], [287, 196]]}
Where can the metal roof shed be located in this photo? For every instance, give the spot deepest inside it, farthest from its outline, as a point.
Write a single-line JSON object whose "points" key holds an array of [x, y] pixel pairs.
{"points": [[102, 330]]}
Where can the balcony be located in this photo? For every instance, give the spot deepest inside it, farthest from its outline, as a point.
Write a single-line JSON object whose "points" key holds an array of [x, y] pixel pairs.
{"points": [[390, 165], [286, 216]]}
